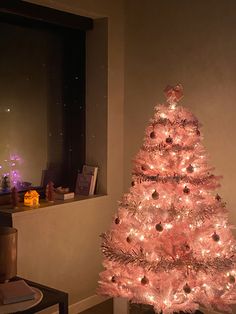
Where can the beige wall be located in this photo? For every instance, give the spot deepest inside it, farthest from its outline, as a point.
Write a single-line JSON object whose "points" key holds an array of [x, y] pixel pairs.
{"points": [[60, 245], [191, 42]]}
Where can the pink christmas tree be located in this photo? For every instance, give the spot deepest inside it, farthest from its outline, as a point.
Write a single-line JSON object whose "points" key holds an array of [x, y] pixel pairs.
{"points": [[170, 244]]}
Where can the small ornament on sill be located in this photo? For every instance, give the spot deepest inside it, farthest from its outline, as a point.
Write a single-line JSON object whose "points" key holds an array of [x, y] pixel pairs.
{"points": [[155, 195], [14, 198], [152, 135], [50, 194], [31, 198], [63, 194], [159, 227], [215, 237], [187, 288], [190, 169], [5, 184], [144, 281], [186, 190], [169, 140]]}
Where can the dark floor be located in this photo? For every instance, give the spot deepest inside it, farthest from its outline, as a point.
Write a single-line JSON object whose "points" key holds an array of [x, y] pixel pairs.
{"points": [[107, 308]]}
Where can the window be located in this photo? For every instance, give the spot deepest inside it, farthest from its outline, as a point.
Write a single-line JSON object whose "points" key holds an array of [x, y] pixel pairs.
{"points": [[42, 101]]}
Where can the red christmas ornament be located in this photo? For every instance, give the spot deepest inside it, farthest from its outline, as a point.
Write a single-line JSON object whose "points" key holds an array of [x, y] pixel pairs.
{"points": [[169, 140], [186, 190], [155, 195], [187, 289], [117, 221], [215, 237], [128, 239], [144, 168], [144, 281], [152, 135], [190, 169], [231, 279], [159, 227]]}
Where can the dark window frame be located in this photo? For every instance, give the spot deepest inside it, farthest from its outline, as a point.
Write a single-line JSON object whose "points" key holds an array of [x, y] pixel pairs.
{"points": [[32, 15]]}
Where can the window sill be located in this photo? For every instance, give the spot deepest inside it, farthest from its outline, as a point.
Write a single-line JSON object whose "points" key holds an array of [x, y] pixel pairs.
{"points": [[7, 210]]}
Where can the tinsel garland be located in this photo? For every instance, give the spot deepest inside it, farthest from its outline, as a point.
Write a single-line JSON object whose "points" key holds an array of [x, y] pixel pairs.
{"points": [[196, 215], [182, 122], [140, 177], [164, 147], [189, 262]]}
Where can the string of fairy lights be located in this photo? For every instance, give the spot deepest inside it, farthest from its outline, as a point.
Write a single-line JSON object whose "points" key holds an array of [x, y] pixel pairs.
{"points": [[170, 244]]}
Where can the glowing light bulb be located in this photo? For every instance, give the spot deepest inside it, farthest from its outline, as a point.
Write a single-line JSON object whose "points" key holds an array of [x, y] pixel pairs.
{"points": [[166, 302], [151, 297], [141, 237], [201, 239], [173, 106], [163, 115], [169, 226], [151, 167]]}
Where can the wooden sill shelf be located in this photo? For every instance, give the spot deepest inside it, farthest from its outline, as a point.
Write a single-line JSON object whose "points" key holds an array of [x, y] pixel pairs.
{"points": [[7, 212]]}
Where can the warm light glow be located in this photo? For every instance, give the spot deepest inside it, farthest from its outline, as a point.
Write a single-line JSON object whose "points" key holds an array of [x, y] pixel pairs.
{"points": [[169, 226], [163, 115], [151, 297], [173, 106], [31, 198], [178, 250], [141, 237]]}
